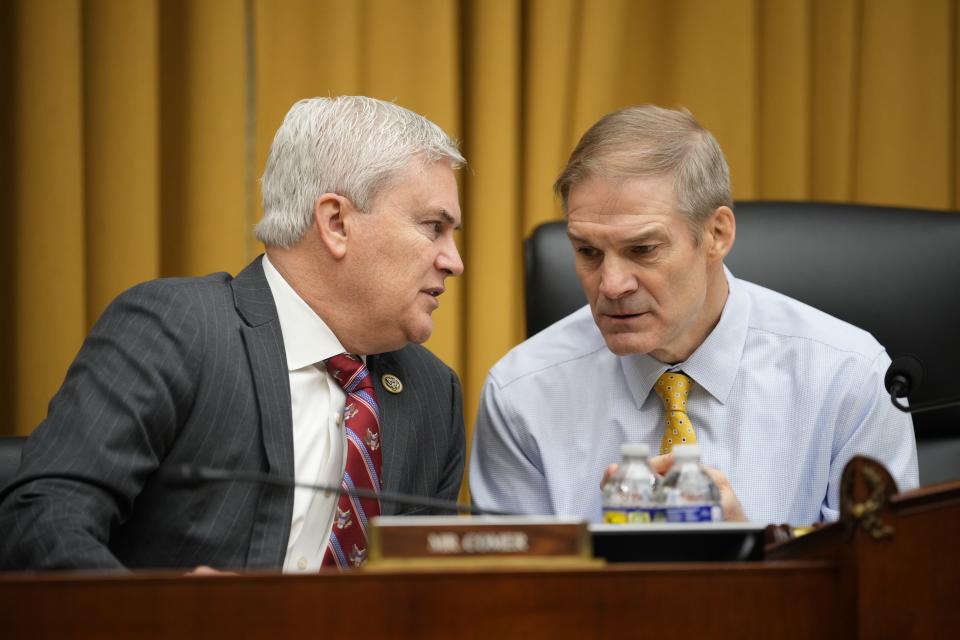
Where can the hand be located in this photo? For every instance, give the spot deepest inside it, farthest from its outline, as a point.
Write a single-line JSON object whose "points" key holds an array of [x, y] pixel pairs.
{"points": [[609, 471], [732, 509], [659, 464], [204, 570]]}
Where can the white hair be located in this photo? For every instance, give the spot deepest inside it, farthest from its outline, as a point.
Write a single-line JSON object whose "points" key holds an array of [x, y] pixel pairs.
{"points": [[349, 145]]}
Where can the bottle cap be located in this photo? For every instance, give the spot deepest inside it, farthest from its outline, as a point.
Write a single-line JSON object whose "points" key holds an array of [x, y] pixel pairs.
{"points": [[686, 451], [639, 450]]}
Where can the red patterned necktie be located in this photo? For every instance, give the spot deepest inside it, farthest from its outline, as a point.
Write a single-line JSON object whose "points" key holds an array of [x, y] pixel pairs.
{"points": [[361, 419]]}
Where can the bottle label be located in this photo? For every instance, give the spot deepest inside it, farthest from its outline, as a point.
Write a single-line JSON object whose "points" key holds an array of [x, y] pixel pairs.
{"points": [[693, 513], [628, 515]]}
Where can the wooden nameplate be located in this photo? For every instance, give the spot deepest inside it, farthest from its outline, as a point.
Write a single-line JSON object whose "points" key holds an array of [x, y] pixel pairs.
{"points": [[448, 541]]}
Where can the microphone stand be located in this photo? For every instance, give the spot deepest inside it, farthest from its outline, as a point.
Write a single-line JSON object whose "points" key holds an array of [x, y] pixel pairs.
{"points": [[187, 474], [924, 406]]}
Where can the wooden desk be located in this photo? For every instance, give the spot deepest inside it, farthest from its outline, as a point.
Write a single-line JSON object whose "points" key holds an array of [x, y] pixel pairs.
{"points": [[837, 582], [800, 598]]}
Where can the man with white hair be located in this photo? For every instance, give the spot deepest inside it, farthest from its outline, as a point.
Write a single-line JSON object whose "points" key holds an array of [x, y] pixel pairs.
{"points": [[306, 365]]}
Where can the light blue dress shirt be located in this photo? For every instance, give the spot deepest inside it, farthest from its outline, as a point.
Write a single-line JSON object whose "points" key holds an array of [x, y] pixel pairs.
{"points": [[783, 396]]}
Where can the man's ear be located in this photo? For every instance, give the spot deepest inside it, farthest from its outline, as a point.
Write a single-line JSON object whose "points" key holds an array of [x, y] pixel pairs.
{"points": [[329, 212], [721, 231]]}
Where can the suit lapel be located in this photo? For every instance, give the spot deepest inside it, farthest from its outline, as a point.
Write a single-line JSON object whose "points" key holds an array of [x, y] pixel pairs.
{"points": [[394, 431], [271, 379], [268, 366]]}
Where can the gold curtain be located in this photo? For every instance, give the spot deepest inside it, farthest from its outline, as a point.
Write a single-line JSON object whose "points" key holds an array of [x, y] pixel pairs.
{"points": [[135, 130]]}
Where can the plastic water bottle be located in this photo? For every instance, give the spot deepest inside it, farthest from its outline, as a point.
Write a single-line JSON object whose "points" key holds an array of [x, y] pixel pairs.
{"points": [[687, 493], [628, 495]]}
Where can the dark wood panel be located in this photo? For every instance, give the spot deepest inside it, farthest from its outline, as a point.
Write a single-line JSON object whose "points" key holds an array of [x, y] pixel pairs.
{"points": [[751, 600]]}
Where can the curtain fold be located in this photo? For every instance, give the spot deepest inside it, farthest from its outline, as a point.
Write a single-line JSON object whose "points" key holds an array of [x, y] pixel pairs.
{"points": [[136, 130], [835, 98], [205, 219], [120, 129], [48, 302]]}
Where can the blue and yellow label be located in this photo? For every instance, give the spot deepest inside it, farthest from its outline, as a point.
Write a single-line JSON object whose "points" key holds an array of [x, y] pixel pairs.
{"points": [[693, 513], [624, 515]]}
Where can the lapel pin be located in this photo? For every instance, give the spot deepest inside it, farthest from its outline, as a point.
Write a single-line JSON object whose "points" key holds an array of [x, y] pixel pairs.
{"points": [[391, 383]]}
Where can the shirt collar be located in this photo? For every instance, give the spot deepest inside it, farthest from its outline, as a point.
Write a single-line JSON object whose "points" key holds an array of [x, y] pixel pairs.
{"points": [[307, 339], [714, 364]]}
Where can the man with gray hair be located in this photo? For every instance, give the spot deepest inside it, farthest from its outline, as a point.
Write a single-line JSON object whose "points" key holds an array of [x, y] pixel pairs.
{"points": [[673, 349], [306, 365]]}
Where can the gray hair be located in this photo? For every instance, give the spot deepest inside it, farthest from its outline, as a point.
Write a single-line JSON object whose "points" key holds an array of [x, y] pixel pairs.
{"points": [[647, 140], [353, 146]]}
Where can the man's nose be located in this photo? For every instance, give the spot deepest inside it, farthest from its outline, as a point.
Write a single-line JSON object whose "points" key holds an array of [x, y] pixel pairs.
{"points": [[449, 259], [616, 279]]}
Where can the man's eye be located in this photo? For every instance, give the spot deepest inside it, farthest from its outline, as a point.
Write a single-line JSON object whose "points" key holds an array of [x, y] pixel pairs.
{"points": [[644, 249], [588, 252], [436, 227]]}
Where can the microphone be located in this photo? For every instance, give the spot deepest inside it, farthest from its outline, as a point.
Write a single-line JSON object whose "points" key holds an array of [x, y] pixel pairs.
{"points": [[191, 474], [903, 377]]}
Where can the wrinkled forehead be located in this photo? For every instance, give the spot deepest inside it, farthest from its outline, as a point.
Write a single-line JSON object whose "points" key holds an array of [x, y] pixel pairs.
{"points": [[621, 199]]}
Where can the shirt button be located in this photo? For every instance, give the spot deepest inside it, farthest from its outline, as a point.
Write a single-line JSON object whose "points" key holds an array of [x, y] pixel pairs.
{"points": [[302, 564]]}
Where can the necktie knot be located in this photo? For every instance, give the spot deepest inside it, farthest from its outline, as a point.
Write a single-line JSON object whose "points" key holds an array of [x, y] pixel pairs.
{"points": [[673, 388], [349, 372]]}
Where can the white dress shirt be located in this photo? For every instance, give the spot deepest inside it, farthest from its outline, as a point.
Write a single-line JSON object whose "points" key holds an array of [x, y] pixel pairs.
{"points": [[783, 396], [319, 445]]}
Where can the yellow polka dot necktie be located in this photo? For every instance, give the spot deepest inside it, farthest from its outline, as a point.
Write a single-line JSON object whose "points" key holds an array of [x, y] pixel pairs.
{"points": [[673, 388]]}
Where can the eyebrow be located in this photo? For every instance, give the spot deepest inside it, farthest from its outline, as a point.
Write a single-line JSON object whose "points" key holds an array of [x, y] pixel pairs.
{"points": [[644, 236], [639, 238], [443, 213]]}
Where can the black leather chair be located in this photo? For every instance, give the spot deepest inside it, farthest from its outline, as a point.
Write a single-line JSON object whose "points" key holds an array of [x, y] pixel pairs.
{"points": [[892, 271], [10, 447]]}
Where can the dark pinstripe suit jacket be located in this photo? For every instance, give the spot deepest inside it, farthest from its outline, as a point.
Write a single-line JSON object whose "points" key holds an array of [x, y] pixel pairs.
{"points": [[193, 371]]}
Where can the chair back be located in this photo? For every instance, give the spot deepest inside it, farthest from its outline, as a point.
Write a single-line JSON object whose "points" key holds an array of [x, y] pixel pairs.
{"points": [[892, 271]]}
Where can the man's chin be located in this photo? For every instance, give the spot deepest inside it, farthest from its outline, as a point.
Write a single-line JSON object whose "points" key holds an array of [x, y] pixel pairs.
{"points": [[420, 333], [626, 344], [397, 338]]}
